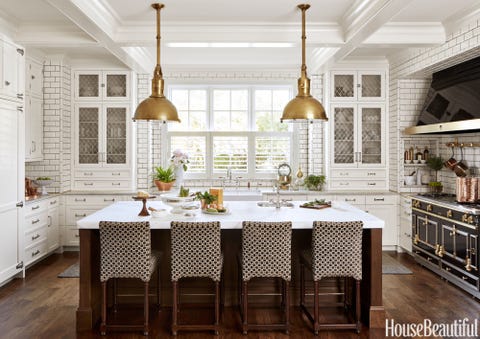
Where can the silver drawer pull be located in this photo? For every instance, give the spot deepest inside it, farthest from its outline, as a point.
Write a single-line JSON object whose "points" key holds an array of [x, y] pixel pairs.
{"points": [[117, 173], [37, 252], [371, 173], [77, 235], [344, 183], [464, 277], [88, 173], [113, 199], [372, 184], [53, 202], [84, 199], [343, 173], [88, 183], [35, 236], [378, 199], [115, 184], [80, 215], [350, 200], [35, 221], [35, 207]]}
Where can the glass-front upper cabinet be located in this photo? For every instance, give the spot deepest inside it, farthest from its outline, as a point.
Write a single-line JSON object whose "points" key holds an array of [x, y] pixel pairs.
{"points": [[98, 85], [358, 135], [102, 135], [357, 85]]}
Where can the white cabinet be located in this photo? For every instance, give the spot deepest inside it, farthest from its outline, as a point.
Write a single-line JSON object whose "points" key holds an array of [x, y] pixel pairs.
{"points": [[357, 85], [12, 190], [33, 128], [33, 78], [53, 225], [102, 85], [12, 82], [385, 207], [405, 236], [103, 147]]}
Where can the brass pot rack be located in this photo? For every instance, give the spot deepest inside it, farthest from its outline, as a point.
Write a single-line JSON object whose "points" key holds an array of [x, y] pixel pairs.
{"points": [[455, 143]]}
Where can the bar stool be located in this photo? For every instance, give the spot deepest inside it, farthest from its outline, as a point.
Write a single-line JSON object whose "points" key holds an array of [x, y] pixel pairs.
{"points": [[125, 252], [266, 253], [196, 252], [336, 252]]}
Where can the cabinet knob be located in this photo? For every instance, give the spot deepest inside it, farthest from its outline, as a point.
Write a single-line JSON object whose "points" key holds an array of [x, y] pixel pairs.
{"points": [[449, 213], [7, 83], [429, 208], [33, 77]]}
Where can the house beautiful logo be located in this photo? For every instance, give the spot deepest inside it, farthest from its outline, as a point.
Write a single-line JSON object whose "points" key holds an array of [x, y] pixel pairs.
{"points": [[461, 328]]}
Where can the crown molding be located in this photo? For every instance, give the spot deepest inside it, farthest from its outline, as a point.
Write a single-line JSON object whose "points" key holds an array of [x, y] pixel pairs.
{"points": [[462, 19], [427, 33]]}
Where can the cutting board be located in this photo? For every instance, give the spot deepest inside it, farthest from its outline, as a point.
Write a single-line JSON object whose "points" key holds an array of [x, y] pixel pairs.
{"points": [[317, 207]]}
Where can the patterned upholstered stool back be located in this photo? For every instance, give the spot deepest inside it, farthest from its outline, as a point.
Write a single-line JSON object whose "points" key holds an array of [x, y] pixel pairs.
{"points": [[337, 249], [196, 250], [266, 249], [125, 250]]}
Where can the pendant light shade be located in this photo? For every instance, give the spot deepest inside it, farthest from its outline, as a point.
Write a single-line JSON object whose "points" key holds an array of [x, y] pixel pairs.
{"points": [[157, 106], [303, 106]]}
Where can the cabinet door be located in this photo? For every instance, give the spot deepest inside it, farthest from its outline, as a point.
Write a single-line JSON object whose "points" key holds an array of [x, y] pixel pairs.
{"points": [[11, 175], [115, 85], [388, 214], [13, 71], [34, 78], [88, 85], [370, 126], [88, 135], [116, 135], [33, 129], [343, 135], [371, 86], [343, 86], [53, 230]]}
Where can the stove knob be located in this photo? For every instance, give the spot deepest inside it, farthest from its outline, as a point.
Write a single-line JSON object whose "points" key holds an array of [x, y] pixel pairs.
{"points": [[464, 217], [470, 219], [429, 208], [449, 214]]}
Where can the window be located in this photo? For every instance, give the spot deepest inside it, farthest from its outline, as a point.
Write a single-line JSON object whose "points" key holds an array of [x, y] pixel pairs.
{"points": [[231, 127]]}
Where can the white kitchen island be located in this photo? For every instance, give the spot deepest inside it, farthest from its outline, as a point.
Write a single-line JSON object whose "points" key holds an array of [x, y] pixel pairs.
{"points": [[373, 314]]}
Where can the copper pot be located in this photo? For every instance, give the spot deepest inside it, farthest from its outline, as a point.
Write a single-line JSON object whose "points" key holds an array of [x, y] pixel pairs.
{"points": [[452, 162], [467, 189]]}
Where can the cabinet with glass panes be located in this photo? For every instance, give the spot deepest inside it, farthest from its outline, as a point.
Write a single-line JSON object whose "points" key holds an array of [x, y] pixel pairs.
{"points": [[102, 85]]}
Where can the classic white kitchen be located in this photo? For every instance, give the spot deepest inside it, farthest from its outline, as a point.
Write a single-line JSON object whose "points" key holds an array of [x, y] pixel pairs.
{"points": [[389, 145]]}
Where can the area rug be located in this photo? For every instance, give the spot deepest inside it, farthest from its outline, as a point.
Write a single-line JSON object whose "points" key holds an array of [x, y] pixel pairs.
{"points": [[392, 266], [71, 272]]}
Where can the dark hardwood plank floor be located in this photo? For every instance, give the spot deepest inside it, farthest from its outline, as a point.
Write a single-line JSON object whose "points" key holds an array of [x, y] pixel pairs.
{"points": [[43, 306]]}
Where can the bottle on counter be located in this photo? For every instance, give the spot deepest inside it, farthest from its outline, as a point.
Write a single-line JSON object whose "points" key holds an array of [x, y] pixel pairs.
{"points": [[426, 153], [418, 154], [410, 151]]}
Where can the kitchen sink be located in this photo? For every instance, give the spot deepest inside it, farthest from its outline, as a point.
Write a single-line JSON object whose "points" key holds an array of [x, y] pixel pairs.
{"points": [[275, 204]]}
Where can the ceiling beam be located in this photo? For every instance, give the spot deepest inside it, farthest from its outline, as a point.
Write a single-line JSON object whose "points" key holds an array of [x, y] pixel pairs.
{"points": [[360, 22], [98, 25]]}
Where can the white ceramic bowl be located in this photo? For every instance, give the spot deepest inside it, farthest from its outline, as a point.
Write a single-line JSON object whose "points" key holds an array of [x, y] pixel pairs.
{"points": [[160, 213]]}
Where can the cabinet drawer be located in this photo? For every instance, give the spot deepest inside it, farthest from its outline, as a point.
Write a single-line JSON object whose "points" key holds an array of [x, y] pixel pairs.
{"points": [[36, 220], [108, 175], [360, 184], [107, 184], [34, 252], [36, 236], [352, 199], [360, 173], [71, 237], [74, 214], [380, 199], [96, 200], [53, 203], [36, 207]]}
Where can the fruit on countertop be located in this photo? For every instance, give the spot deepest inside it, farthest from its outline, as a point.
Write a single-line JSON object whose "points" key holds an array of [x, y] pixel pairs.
{"points": [[212, 210]]}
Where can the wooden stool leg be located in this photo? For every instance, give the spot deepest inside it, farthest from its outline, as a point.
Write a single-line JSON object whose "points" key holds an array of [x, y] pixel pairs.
{"points": [[217, 306], [316, 324], [158, 289], [245, 306], [175, 308], [103, 324], [145, 308], [114, 295], [357, 306], [302, 284], [287, 306]]}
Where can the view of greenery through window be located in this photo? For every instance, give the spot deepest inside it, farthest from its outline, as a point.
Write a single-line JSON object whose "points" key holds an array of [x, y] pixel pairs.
{"points": [[231, 127]]}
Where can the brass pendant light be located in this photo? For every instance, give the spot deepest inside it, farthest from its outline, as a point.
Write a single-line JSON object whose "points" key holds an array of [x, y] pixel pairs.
{"points": [[157, 106], [303, 106]]}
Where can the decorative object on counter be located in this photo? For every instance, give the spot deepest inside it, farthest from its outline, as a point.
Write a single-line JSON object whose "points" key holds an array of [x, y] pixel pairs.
{"points": [[164, 178], [206, 199], [426, 153], [184, 192], [179, 161], [410, 179], [418, 154], [317, 204], [299, 181], [43, 182], [314, 182], [157, 106], [177, 202], [144, 211], [30, 189], [284, 176], [436, 164], [218, 193], [467, 189], [303, 106]]}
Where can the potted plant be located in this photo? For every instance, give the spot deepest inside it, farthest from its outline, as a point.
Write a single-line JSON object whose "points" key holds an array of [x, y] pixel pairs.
{"points": [[206, 199], [314, 182], [436, 164], [164, 178]]}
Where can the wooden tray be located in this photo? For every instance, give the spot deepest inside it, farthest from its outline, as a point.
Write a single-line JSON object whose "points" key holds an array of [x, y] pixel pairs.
{"points": [[317, 207]]}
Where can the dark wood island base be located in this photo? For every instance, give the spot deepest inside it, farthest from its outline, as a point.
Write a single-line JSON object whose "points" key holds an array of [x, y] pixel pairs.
{"points": [[88, 312]]}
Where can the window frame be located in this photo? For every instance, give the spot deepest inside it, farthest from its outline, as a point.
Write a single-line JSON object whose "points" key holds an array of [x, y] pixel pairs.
{"points": [[251, 134]]}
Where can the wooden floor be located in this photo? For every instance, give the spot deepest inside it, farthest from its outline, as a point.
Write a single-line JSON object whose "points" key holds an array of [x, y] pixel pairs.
{"points": [[43, 306]]}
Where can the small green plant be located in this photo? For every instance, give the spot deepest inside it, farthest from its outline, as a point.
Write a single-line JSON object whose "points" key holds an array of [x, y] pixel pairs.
{"points": [[164, 174], [43, 178], [206, 197], [314, 182], [436, 164], [184, 192]]}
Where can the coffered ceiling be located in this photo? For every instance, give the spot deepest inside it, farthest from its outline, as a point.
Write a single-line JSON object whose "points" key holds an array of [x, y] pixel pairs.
{"points": [[229, 33]]}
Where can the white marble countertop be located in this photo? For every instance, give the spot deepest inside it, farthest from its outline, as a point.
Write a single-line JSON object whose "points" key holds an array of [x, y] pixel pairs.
{"points": [[238, 211]]}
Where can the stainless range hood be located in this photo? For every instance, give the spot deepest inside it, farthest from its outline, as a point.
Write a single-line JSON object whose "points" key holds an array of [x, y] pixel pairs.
{"points": [[463, 126]]}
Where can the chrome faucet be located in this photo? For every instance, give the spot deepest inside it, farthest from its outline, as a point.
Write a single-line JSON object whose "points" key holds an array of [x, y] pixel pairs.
{"points": [[229, 174], [278, 203]]}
